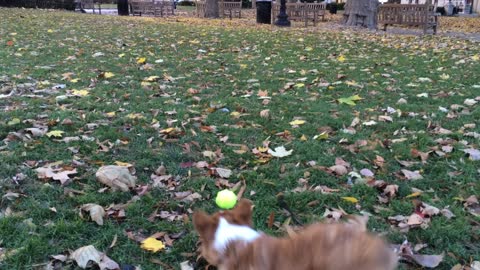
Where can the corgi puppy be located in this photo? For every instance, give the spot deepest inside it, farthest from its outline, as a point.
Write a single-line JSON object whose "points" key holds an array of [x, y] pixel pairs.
{"points": [[229, 242]]}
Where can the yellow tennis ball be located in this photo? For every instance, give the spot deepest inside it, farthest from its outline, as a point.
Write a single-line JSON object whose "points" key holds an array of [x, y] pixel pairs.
{"points": [[226, 199]]}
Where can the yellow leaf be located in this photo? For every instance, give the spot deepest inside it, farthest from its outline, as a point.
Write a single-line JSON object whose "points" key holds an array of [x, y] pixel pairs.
{"points": [[414, 194], [135, 116], [262, 149], [444, 76], [55, 133], [235, 114], [341, 58], [121, 55], [151, 78], [125, 164], [110, 114], [108, 75], [167, 130], [350, 199], [299, 85], [50, 31], [303, 138], [141, 60], [297, 122], [152, 244], [74, 80], [13, 122], [476, 57], [243, 66], [308, 49], [80, 93], [321, 136], [145, 84]]}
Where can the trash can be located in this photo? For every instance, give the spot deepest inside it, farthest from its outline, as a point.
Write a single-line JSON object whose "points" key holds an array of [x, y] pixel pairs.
{"points": [[333, 8], [122, 6], [264, 12]]}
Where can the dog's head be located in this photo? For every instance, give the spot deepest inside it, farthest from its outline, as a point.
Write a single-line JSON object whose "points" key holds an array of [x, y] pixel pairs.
{"points": [[217, 229]]}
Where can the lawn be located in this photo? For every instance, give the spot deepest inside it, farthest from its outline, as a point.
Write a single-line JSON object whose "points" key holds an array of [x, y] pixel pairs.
{"points": [[198, 95]]}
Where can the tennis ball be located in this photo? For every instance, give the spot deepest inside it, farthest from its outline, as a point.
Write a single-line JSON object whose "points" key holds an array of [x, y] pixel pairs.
{"points": [[226, 199]]}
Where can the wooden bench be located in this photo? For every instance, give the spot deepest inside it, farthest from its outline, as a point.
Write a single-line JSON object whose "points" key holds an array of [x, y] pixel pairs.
{"points": [[226, 9], [200, 7], [151, 7], [301, 12], [408, 14], [90, 4], [231, 9]]}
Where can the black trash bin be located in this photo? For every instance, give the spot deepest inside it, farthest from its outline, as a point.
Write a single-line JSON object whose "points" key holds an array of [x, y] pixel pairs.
{"points": [[264, 12], [122, 6], [333, 8]]}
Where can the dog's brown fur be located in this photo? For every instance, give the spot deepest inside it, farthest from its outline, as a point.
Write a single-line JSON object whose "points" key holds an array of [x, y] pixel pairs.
{"points": [[317, 247]]}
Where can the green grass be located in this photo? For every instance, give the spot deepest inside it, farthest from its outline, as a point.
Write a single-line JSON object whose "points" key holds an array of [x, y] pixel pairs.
{"points": [[228, 65]]}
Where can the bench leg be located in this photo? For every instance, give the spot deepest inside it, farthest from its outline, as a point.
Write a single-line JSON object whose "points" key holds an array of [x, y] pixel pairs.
{"points": [[385, 27]]}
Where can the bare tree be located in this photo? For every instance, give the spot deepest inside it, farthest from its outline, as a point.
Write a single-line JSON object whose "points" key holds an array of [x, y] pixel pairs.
{"points": [[362, 13]]}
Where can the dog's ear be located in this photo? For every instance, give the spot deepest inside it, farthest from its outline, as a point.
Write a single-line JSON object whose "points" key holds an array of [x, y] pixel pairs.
{"points": [[243, 211], [202, 223]]}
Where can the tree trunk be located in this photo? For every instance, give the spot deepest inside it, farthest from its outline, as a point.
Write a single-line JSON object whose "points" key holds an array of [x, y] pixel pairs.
{"points": [[362, 13], [211, 9]]}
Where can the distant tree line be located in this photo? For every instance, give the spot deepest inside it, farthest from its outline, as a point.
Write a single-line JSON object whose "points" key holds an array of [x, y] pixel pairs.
{"points": [[46, 4]]}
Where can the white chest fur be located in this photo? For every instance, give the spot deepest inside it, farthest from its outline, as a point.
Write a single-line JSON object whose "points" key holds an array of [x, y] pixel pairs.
{"points": [[227, 233]]}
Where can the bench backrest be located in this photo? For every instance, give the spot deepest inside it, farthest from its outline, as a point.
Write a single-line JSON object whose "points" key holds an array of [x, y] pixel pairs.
{"points": [[408, 14], [232, 5]]}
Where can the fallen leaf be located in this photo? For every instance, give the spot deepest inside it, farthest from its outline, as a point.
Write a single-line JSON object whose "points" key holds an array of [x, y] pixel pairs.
{"points": [[56, 174], [185, 266], [350, 199], [429, 261], [473, 154], [297, 122], [152, 244], [84, 255], [339, 169], [411, 175], [280, 152], [108, 75], [224, 173], [55, 133], [96, 212], [141, 60], [116, 177], [349, 100]]}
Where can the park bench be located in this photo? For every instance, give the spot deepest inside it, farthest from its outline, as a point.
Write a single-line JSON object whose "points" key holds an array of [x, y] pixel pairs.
{"points": [[90, 4], [231, 8], [151, 7], [200, 8], [227, 9], [306, 12], [408, 14]]}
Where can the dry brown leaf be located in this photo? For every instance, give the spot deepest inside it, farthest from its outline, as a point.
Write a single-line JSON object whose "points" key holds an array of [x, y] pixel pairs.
{"points": [[97, 213], [116, 177], [224, 173], [339, 170], [185, 266], [89, 253], [265, 113], [412, 175], [56, 174]]}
